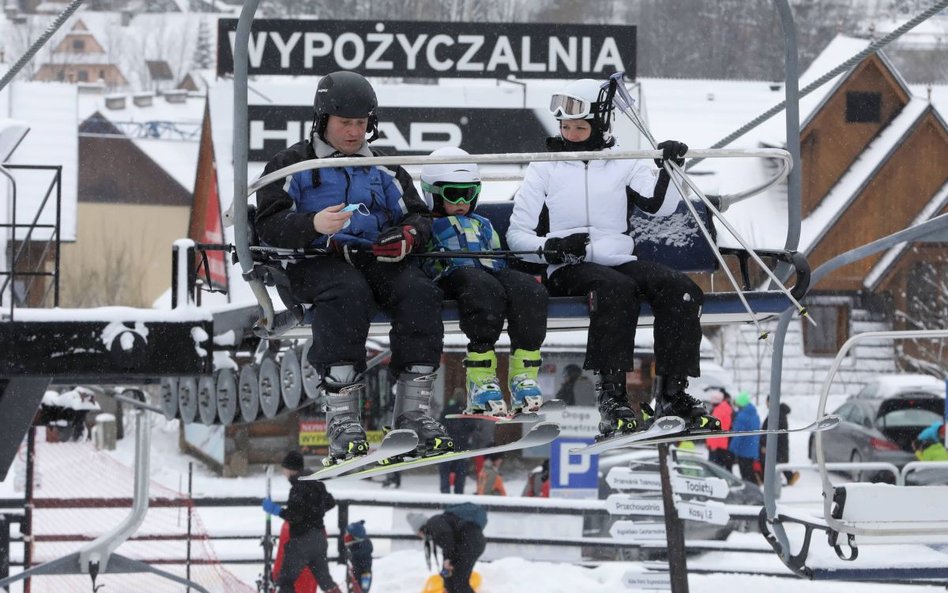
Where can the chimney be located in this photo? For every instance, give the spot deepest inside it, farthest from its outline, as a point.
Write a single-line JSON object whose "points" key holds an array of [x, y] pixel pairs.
{"points": [[143, 99], [115, 102], [176, 95]]}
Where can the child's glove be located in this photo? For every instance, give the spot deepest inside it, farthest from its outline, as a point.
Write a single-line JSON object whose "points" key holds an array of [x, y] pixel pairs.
{"points": [[271, 507]]}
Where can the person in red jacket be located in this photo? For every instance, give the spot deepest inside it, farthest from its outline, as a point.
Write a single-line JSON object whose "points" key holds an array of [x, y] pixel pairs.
{"points": [[306, 582], [717, 447]]}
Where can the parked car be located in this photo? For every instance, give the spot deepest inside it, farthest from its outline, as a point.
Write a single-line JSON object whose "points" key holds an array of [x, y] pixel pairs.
{"points": [[740, 492], [880, 422]]}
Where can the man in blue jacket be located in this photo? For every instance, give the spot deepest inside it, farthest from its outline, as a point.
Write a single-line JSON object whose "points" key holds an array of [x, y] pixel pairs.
{"points": [[746, 448], [372, 218]]}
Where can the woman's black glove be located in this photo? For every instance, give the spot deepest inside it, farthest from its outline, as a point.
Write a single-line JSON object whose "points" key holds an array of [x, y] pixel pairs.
{"points": [[566, 250], [673, 151]]}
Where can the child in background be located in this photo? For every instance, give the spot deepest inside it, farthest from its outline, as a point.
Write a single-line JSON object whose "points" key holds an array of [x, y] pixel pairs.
{"points": [[359, 548], [487, 291]]}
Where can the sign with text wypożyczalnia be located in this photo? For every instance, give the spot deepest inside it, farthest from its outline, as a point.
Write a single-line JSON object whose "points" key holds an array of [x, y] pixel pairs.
{"points": [[418, 49]]}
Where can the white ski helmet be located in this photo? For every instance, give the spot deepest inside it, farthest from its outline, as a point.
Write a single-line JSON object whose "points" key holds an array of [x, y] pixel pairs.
{"points": [[586, 99], [454, 181]]}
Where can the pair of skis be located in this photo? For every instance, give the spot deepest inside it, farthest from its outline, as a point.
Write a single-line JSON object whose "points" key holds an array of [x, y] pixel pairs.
{"points": [[672, 429], [390, 455]]}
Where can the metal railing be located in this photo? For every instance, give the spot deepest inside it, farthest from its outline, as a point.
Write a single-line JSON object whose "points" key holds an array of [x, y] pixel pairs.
{"points": [[22, 247]]}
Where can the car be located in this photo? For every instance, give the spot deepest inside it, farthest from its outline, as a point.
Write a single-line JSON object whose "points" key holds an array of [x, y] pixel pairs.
{"points": [[880, 422], [740, 492]]}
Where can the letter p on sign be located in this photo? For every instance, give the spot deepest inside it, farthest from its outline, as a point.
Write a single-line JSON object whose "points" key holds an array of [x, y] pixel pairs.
{"points": [[571, 471]]}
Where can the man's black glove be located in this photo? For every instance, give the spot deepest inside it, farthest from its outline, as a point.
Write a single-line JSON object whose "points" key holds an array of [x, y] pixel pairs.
{"points": [[566, 250], [353, 254], [673, 151]]}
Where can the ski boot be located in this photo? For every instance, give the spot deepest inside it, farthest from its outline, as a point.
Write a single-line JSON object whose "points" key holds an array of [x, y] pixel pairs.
{"points": [[525, 395], [616, 417], [672, 400], [344, 431], [483, 388], [412, 402]]}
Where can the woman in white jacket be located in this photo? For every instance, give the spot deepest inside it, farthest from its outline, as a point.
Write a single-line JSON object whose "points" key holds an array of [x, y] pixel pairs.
{"points": [[579, 214]]}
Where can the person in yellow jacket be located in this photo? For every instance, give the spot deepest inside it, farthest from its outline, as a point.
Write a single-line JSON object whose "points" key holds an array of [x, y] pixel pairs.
{"points": [[930, 451], [489, 480]]}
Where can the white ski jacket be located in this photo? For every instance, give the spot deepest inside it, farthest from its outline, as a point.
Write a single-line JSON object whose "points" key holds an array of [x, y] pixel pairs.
{"points": [[582, 197]]}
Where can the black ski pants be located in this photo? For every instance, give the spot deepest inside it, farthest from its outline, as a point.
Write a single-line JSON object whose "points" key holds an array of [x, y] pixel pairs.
{"points": [[346, 297], [471, 548], [485, 298], [615, 295], [307, 550]]}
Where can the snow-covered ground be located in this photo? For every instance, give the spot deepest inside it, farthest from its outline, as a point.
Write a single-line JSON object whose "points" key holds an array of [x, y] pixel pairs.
{"points": [[404, 570]]}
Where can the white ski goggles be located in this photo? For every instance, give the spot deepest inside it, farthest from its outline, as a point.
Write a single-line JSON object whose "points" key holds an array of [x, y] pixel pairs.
{"points": [[569, 107]]}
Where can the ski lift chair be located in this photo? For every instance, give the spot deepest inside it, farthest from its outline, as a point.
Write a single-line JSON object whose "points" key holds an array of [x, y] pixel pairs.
{"points": [[674, 241], [863, 514]]}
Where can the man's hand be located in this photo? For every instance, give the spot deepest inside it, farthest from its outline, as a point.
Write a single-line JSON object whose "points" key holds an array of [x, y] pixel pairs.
{"points": [[673, 151], [566, 250], [353, 254], [331, 220], [271, 507], [395, 243]]}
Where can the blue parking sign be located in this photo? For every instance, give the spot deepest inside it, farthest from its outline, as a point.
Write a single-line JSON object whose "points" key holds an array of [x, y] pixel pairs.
{"points": [[571, 471]]}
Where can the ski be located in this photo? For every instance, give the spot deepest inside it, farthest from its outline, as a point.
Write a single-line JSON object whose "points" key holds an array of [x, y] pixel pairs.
{"points": [[396, 442], [828, 422], [663, 427], [553, 405], [539, 434]]}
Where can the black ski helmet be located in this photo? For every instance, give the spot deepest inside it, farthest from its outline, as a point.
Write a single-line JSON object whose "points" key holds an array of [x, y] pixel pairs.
{"points": [[345, 94]]}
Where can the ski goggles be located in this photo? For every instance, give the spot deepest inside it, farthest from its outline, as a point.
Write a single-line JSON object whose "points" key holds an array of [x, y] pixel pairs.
{"points": [[455, 193], [569, 107]]}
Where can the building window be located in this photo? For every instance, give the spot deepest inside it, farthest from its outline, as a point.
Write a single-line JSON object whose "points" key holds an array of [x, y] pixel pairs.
{"points": [[863, 107], [78, 45], [831, 330], [83, 76]]}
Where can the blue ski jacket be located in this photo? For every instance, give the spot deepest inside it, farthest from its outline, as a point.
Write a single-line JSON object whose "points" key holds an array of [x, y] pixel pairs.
{"points": [[747, 447]]}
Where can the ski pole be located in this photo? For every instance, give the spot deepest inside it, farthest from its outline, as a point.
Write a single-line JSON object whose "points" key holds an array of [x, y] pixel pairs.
{"points": [[625, 103]]}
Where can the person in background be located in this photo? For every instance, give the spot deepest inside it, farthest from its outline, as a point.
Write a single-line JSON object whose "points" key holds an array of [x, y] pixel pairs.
{"points": [[461, 541], [577, 389], [929, 445], [746, 449], [307, 547], [359, 548], [538, 481], [370, 219], [461, 431], [783, 443], [489, 479], [718, 451]]}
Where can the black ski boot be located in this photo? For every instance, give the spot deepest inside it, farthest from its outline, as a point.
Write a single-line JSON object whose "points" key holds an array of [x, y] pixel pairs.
{"points": [[672, 400], [412, 402], [343, 420], [615, 415]]}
